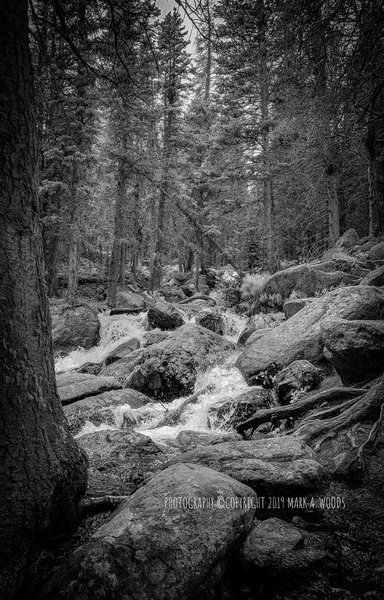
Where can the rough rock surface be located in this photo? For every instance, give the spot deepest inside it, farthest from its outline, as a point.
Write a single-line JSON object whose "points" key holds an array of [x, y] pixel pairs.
{"points": [[74, 327], [376, 253], [164, 316], [284, 465], [169, 369], [99, 409], [132, 301], [291, 307], [348, 240], [211, 320], [147, 551], [299, 376], [154, 337], [233, 412], [122, 350], [356, 348], [75, 386], [305, 280], [187, 440], [131, 456], [300, 336], [280, 548]]}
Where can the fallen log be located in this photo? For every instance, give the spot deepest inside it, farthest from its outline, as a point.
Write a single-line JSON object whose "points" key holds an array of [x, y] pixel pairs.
{"points": [[197, 297], [298, 408]]}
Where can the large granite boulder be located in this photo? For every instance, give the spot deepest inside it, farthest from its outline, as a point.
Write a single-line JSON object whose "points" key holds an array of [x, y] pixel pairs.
{"points": [[169, 369], [356, 348], [300, 337], [273, 466], [74, 327], [162, 543], [75, 386], [305, 280]]}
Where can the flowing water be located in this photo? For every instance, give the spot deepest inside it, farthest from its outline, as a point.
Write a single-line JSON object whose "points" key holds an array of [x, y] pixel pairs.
{"points": [[217, 386]]}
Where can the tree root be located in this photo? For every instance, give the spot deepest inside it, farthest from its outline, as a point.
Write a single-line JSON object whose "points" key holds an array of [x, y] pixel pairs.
{"points": [[363, 408], [90, 506], [197, 297], [298, 408]]}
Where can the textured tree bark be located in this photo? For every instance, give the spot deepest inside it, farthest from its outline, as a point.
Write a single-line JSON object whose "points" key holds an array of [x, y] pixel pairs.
{"points": [[42, 470], [118, 233], [272, 251]]}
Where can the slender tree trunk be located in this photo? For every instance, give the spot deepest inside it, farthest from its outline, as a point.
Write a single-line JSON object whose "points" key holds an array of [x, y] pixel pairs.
{"points": [[42, 471], [118, 233], [333, 209], [272, 252]]}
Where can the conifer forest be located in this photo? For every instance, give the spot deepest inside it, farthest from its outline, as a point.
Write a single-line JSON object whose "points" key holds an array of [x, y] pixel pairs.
{"points": [[192, 299]]}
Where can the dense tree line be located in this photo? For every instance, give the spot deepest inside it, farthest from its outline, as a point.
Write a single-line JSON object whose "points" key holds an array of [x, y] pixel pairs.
{"points": [[261, 142]]}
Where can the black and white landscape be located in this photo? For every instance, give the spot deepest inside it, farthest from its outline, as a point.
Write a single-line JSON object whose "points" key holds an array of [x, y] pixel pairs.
{"points": [[191, 299]]}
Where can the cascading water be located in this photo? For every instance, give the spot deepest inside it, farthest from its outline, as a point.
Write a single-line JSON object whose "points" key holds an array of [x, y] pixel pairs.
{"points": [[216, 387]]}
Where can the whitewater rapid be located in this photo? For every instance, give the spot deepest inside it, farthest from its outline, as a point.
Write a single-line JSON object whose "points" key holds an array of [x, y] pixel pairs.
{"points": [[216, 387]]}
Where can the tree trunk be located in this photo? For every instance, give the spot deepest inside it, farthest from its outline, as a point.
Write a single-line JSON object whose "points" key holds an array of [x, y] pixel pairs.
{"points": [[118, 233], [73, 262], [42, 470], [333, 209], [272, 253]]}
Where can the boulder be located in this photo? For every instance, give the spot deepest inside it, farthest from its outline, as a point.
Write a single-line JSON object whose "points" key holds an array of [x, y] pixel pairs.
{"points": [[164, 316], [153, 548], [299, 376], [305, 280], [108, 399], [90, 368], [300, 336], [356, 348], [122, 350], [173, 293], [254, 323], [284, 465], [233, 412], [187, 440], [74, 327], [131, 301], [291, 307], [75, 386], [99, 409], [211, 320], [169, 369], [376, 253], [130, 456], [280, 548], [257, 335], [154, 337], [348, 240], [375, 277], [120, 369]]}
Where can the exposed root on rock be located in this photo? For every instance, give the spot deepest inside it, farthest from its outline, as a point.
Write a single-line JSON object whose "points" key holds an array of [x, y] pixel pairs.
{"points": [[100, 504], [366, 407], [300, 407]]}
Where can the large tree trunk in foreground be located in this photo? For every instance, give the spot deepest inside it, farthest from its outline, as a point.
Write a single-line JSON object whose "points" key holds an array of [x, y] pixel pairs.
{"points": [[42, 471]]}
